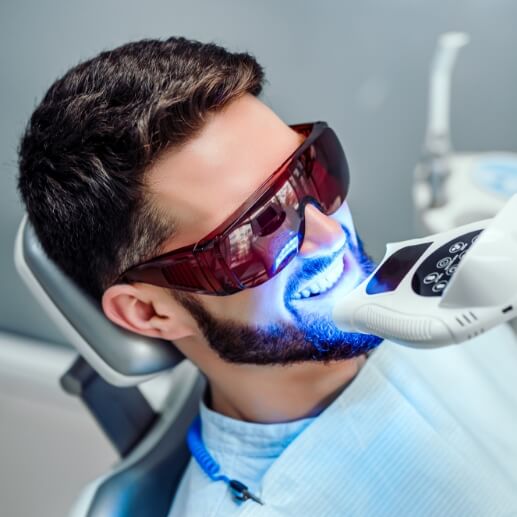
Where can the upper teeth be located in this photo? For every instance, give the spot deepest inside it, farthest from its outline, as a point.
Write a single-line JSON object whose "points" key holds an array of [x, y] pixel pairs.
{"points": [[322, 282]]}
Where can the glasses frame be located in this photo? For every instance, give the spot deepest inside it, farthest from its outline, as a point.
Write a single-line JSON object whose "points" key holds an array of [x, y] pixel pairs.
{"points": [[193, 258]]}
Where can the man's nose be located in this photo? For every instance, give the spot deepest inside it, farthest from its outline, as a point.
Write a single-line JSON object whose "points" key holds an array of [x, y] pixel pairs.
{"points": [[323, 235]]}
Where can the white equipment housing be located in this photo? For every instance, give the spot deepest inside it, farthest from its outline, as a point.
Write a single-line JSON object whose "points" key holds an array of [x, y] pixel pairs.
{"points": [[441, 289]]}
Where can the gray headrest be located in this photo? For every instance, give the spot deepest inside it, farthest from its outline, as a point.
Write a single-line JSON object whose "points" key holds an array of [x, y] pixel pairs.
{"points": [[121, 357]]}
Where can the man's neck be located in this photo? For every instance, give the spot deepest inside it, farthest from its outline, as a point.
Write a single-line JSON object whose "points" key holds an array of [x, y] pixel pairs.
{"points": [[280, 393]]}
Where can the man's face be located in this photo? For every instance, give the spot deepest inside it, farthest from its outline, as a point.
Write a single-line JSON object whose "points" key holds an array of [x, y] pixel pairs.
{"points": [[288, 318]]}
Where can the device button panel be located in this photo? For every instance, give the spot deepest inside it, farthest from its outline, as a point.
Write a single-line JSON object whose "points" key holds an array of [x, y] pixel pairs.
{"points": [[435, 272]]}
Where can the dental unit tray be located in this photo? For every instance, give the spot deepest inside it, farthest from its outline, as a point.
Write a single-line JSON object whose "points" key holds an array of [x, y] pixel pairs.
{"points": [[442, 289]]}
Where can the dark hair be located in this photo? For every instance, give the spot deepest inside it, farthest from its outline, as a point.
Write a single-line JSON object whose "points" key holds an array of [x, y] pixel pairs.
{"points": [[98, 129]]}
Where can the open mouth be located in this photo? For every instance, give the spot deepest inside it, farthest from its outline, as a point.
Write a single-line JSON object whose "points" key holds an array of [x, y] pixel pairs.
{"points": [[322, 282]]}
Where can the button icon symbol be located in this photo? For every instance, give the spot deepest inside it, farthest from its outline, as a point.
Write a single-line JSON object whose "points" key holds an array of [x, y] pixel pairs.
{"points": [[444, 262], [439, 286], [431, 278], [457, 246]]}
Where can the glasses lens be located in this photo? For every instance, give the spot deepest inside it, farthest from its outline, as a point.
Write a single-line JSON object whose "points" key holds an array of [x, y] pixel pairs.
{"points": [[328, 169], [262, 246], [271, 233]]}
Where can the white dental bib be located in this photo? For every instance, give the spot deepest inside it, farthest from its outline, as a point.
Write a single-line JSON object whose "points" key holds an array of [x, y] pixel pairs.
{"points": [[418, 432]]}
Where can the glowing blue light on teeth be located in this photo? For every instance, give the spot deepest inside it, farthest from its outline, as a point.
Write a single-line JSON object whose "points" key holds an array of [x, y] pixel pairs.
{"points": [[289, 247], [324, 284]]}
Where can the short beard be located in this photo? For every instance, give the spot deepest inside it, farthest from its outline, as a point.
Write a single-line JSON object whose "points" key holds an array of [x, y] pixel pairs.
{"points": [[279, 344], [316, 339]]}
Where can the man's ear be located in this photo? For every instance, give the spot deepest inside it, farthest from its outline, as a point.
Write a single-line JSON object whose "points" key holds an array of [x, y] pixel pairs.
{"points": [[146, 310]]}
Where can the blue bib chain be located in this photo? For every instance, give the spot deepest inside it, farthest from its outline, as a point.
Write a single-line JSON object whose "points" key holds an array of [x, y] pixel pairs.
{"points": [[210, 467]]}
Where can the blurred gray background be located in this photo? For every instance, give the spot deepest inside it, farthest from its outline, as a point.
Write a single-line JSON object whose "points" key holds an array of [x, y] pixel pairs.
{"points": [[361, 66]]}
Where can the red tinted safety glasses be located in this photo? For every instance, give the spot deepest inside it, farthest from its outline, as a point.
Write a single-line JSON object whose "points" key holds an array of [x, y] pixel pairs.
{"points": [[260, 238]]}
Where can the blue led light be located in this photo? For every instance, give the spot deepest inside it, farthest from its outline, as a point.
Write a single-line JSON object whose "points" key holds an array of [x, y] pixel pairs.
{"points": [[289, 247], [314, 319]]}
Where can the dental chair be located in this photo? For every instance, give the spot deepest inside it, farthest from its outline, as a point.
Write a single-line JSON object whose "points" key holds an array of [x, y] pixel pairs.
{"points": [[141, 391]]}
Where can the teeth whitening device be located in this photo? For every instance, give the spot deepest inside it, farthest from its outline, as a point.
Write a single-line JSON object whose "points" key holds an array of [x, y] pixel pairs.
{"points": [[459, 282], [442, 289]]}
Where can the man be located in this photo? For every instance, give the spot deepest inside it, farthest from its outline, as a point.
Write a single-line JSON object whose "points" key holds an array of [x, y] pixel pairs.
{"points": [[156, 178]]}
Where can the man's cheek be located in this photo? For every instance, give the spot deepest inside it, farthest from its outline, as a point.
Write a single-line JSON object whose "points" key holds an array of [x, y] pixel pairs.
{"points": [[270, 306], [344, 217]]}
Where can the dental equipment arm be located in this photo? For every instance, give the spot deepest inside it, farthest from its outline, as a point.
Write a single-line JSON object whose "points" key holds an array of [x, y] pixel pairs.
{"points": [[434, 169], [437, 140], [442, 289]]}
